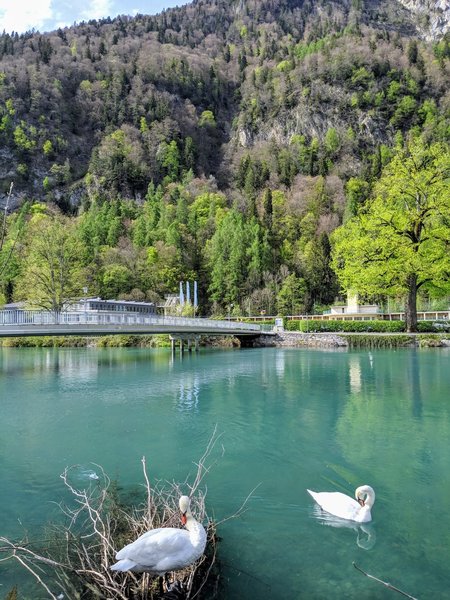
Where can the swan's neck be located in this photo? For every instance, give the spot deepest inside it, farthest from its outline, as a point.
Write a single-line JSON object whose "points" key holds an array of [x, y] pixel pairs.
{"points": [[368, 503], [196, 530]]}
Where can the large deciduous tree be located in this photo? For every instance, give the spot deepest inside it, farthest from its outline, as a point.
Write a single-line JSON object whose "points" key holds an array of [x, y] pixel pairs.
{"points": [[51, 274], [399, 242]]}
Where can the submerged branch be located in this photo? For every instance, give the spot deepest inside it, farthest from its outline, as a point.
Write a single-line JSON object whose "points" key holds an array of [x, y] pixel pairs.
{"points": [[385, 583]]}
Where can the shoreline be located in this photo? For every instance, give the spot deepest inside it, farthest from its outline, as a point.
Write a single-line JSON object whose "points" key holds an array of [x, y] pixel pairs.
{"points": [[281, 339], [294, 339]]}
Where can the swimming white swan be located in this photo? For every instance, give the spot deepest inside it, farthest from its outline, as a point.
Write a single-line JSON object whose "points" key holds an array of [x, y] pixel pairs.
{"points": [[164, 549], [345, 507]]}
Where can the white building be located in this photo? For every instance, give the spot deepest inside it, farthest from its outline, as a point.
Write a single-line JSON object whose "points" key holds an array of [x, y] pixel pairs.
{"points": [[353, 307], [100, 305]]}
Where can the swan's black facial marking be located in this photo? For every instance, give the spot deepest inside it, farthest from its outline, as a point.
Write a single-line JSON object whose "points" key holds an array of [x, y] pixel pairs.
{"points": [[361, 501]]}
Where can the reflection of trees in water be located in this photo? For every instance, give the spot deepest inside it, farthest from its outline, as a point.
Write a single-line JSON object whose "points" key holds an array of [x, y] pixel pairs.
{"points": [[47, 361], [414, 377]]}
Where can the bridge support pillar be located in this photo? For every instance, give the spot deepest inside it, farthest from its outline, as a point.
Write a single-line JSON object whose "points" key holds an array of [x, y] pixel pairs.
{"points": [[191, 341]]}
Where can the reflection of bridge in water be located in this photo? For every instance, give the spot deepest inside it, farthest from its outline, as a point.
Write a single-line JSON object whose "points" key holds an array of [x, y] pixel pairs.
{"points": [[25, 323]]}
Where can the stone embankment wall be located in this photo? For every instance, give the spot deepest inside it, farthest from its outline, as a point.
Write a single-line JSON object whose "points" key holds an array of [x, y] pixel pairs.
{"points": [[334, 340], [299, 340]]}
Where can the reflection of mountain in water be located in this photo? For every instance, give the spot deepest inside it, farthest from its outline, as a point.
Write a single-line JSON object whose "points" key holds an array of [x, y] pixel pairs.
{"points": [[365, 532]]}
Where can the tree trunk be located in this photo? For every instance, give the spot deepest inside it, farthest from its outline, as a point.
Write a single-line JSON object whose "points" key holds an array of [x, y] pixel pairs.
{"points": [[411, 305]]}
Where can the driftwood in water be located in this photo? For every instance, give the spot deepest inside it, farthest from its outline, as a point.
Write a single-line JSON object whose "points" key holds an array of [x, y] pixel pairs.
{"points": [[385, 583]]}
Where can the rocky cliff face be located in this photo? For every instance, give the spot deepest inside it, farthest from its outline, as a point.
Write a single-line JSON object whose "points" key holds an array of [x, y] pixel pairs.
{"points": [[433, 16], [296, 87]]}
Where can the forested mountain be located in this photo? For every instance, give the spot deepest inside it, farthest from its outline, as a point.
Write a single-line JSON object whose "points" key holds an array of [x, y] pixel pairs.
{"points": [[222, 140]]}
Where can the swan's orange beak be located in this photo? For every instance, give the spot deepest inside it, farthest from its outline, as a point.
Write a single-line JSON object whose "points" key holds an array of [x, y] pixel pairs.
{"points": [[183, 519]]}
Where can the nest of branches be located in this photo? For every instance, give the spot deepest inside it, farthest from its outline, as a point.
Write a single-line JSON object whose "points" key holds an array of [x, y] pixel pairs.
{"points": [[77, 555]]}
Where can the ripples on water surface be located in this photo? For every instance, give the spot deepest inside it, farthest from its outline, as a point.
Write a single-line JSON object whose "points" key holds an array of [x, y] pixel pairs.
{"points": [[289, 419]]}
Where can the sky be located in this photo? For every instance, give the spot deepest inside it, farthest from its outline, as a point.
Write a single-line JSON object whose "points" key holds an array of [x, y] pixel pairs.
{"points": [[48, 15]]}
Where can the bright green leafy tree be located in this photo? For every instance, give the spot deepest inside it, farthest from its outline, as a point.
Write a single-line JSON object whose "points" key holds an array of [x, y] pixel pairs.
{"points": [[51, 274], [399, 242]]}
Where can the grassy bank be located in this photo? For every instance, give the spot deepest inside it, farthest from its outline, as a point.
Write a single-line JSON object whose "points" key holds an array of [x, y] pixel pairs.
{"points": [[107, 341], [380, 341], [110, 341]]}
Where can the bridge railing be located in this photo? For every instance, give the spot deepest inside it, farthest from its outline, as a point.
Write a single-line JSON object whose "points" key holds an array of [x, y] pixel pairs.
{"points": [[34, 317]]}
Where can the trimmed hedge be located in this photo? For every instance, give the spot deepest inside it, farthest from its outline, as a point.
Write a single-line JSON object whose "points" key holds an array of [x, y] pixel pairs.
{"points": [[433, 327], [318, 326], [376, 326]]}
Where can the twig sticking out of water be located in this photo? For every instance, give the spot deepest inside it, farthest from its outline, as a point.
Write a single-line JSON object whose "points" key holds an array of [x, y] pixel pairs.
{"points": [[385, 583]]}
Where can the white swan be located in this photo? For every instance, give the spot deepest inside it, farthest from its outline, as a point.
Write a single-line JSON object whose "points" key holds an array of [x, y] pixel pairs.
{"points": [[164, 549], [345, 507]]}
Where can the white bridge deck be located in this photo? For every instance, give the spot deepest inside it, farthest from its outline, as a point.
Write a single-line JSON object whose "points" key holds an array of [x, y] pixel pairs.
{"points": [[18, 323]]}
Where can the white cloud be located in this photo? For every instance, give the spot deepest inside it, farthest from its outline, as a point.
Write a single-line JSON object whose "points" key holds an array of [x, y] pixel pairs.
{"points": [[96, 9], [23, 15], [48, 15]]}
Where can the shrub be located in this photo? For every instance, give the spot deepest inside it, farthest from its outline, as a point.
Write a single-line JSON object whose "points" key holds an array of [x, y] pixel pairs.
{"points": [[376, 326], [318, 326], [433, 327]]}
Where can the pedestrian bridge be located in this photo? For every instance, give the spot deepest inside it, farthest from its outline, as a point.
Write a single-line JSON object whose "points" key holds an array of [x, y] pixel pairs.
{"points": [[20, 323]]}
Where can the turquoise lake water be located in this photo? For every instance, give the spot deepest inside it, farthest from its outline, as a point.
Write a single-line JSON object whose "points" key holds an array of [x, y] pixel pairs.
{"points": [[289, 419]]}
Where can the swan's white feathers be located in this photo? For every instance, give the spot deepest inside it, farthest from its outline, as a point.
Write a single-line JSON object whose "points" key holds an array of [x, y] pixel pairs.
{"points": [[345, 507], [152, 549], [164, 549]]}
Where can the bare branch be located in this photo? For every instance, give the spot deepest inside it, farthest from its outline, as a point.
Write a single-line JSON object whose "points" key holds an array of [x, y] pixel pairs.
{"points": [[385, 583]]}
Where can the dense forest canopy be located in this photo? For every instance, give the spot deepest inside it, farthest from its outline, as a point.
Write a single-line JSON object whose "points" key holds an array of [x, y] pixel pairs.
{"points": [[222, 141]]}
